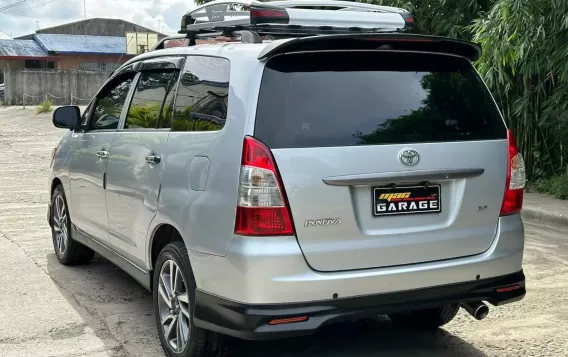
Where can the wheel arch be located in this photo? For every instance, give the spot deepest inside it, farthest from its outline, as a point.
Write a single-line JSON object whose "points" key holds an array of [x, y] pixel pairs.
{"points": [[162, 235], [54, 183]]}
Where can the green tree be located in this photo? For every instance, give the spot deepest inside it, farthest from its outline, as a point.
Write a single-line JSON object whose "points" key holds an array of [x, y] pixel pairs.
{"points": [[524, 61], [442, 17]]}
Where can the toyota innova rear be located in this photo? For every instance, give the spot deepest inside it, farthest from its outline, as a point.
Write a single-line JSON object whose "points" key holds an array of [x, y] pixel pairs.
{"points": [[371, 182], [387, 158], [345, 170]]}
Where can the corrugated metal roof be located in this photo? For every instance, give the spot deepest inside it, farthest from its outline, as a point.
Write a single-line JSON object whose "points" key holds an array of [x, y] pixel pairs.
{"points": [[82, 44], [20, 48]]}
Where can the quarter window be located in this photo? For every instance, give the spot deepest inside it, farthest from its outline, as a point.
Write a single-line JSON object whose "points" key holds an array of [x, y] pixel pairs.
{"points": [[202, 99], [148, 100]]}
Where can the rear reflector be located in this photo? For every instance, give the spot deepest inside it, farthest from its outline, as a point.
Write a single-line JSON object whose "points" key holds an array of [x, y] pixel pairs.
{"points": [[288, 321], [262, 207], [516, 179], [508, 288], [263, 221]]}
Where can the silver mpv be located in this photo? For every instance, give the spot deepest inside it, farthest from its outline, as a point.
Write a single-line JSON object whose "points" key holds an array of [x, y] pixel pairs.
{"points": [[262, 189]]}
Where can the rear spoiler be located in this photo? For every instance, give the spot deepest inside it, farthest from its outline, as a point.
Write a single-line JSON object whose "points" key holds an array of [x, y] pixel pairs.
{"points": [[375, 41]]}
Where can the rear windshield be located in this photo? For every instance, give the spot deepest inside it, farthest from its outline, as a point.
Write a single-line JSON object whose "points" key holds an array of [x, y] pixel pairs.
{"points": [[372, 98]]}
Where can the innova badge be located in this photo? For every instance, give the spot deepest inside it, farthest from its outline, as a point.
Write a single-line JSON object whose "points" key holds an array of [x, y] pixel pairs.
{"points": [[409, 157]]}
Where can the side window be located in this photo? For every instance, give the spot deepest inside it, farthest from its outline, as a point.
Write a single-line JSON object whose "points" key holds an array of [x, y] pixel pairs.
{"points": [[110, 103], [147, 104], [202, 98]]}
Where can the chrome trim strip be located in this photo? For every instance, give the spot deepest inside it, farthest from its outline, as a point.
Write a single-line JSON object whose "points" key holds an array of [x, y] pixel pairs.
{"points": [[402, 176]]}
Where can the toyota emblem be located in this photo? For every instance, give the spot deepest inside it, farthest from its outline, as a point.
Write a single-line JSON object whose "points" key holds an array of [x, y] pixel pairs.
{"points": [[409, 157]]}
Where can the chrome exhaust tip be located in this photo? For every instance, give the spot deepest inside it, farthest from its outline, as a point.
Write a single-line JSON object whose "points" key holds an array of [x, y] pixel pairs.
{"points": [[478, 310]]}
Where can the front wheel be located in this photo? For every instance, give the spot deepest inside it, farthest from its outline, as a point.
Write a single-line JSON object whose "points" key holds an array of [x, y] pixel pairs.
{"points": [[427, 319], [174, 299], [68, 251]]}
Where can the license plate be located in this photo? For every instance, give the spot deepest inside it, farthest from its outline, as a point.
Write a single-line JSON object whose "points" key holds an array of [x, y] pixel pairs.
{"points": [[388, 201]]}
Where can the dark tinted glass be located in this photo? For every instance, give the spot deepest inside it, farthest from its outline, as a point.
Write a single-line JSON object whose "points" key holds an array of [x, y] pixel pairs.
{"points": [[202, 99], [110, 103], [346, 99], [147, 101]]}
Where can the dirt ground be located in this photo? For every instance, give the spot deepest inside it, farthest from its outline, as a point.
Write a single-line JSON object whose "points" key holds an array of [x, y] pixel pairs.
{"points": [[96, 310]]}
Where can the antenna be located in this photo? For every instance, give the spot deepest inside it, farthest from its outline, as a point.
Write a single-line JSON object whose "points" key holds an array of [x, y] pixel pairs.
{"points": [[37, 23]]}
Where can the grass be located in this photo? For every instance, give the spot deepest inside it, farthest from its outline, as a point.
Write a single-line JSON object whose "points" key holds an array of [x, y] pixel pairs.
{"points": [[44, 107], [555, 185]]}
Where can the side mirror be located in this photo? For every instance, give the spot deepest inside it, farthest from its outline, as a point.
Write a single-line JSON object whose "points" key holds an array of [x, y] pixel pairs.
{"points": [[68, 117]]}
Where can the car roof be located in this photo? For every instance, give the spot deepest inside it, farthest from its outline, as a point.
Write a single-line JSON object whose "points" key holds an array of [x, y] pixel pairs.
{"points": [[229, 50]]}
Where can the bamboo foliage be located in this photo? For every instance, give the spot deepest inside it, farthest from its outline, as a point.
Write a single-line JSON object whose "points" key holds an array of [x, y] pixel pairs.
{"points": [[525, 60]]}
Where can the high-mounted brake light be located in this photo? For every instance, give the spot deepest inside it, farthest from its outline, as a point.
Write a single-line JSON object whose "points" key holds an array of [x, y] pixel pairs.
{"points": [[516, 179], [272, 16], [262, 207]]}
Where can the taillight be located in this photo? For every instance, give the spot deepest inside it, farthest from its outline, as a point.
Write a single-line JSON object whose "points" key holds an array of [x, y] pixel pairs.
{"points": [[516, 179], [262, 207]]}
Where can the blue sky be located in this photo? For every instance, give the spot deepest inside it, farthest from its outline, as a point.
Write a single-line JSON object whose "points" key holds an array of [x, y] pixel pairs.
{"points": [[158, 15]]}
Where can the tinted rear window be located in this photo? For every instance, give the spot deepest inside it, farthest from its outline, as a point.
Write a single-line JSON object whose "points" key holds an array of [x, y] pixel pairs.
{"points": [[365, 98]]}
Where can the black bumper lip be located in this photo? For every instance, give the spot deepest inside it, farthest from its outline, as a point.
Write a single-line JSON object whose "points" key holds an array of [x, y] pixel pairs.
{"points": [[250, 321]]}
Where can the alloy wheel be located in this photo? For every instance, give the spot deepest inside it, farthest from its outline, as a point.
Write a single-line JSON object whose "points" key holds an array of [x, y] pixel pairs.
{"points": [[173, 306], [60, 224]]}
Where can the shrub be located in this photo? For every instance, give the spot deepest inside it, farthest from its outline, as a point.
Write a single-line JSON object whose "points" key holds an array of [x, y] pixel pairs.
{"points": [[555, 185], [44, 107]]}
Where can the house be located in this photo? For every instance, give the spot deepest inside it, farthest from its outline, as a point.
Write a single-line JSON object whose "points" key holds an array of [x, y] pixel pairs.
{"points": [[95, 44], [94, 53], [23, 54], [93, 27]]}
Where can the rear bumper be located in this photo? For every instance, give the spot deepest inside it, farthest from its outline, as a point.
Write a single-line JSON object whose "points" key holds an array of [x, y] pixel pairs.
{"points": [[251, 321], [274, 271]]}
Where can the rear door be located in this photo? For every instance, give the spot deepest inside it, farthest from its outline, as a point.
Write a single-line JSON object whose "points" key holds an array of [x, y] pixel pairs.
{"points": [[387, 158], [88, 162]]}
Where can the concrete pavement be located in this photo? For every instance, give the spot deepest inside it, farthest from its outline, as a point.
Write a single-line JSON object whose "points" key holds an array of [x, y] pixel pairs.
{"points": [[545, 210], [97, 310]]}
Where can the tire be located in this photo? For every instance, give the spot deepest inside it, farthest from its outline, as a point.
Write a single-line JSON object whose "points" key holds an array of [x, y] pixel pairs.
{"points": [[67, 251], [196, 342], [428, 319]]}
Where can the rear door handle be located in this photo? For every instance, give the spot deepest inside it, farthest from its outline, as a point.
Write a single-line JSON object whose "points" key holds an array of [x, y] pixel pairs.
{"points": [[102, 154], [153, 159]]}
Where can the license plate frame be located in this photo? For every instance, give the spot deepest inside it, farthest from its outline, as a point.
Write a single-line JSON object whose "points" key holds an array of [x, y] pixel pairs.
{"points": [[426, 199]]}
